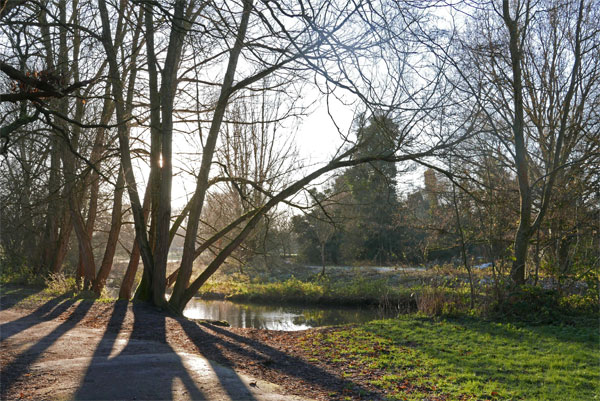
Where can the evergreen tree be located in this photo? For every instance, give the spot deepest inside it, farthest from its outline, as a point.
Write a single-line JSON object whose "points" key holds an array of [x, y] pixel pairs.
{"points": [[370, 232]]}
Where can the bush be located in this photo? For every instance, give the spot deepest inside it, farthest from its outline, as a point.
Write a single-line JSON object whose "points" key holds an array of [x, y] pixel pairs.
{"points": [[437, 301], [541, 306], [58, 284], [18, 274]]}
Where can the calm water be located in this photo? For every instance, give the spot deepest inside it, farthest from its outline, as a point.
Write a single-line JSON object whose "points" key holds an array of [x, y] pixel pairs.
{"points": [[286, 318]]}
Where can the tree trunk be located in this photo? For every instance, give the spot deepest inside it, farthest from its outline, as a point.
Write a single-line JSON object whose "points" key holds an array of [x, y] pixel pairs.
{"points": [[521, 245], [128, 279], [537, 258], [62, 245], [523, 232], [123, 133], [85, 246], [52, 227], [113, 237], [323, 259], [463, 246], [51, 244], [185, 270]]}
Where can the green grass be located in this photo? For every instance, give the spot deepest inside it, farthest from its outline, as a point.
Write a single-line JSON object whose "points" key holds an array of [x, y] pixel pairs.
{"points": [[357, 291], [415, 357], [28, 297]]}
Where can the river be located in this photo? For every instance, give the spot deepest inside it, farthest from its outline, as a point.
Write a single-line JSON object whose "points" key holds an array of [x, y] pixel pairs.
{"points": [[286, 318]]}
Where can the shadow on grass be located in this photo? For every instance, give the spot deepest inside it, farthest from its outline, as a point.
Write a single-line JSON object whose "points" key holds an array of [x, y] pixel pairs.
{"points": [[582, 330], [10, 295], [534, 361]]}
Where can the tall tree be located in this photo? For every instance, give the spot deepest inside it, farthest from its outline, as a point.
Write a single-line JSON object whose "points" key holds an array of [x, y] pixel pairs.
{"points": [[533, 69], [370, 234]]}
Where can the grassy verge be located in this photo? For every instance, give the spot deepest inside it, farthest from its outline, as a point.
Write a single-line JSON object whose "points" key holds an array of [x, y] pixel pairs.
{"points": [[323, 292], [415, 358], [351, 290], [30, 297]]}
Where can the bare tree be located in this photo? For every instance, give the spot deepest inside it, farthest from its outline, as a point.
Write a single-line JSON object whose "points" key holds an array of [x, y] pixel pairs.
{"points": [[202, 60], [532, 67]]}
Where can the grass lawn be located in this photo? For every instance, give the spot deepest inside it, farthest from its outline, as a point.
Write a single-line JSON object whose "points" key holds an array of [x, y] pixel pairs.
{"points": [[416, 358]]}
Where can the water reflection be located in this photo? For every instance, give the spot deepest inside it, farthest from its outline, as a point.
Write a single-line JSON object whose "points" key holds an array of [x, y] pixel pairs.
{"points": [[287, 318]]}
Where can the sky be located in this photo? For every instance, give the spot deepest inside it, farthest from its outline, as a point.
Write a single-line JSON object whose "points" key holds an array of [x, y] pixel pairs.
{"points": [[317, 139]]}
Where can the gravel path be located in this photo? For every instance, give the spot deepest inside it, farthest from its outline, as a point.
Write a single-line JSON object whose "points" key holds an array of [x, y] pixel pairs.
{"points": [[85, 350]]}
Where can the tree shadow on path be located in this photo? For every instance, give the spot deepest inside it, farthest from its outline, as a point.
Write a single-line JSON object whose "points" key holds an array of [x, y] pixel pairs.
{"points": [[48, 311], [11, 372], [136, 374], [295, 368], [143, 365]]}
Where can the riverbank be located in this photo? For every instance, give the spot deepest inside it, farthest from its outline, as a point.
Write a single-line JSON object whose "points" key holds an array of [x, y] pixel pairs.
{"points": [[437, 291], [411, 357], [387, 287]]}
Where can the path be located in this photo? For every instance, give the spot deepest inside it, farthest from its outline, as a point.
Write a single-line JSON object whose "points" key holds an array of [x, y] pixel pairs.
{"points": [[60, 360]]}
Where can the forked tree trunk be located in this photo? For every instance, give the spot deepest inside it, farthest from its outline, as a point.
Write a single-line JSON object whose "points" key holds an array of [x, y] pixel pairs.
{"points": [[144, 290], [93, 179], [526, 228], [123, 133], [69, 165], [167, 99]]}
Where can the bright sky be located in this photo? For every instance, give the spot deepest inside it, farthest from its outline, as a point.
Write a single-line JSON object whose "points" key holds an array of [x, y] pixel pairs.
{"points": [[316, 137]]}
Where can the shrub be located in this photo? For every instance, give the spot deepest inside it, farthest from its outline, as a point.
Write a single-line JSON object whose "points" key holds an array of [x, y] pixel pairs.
{"points": [[436, 301], [58, 284], [542, 306], [18, 274]]}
